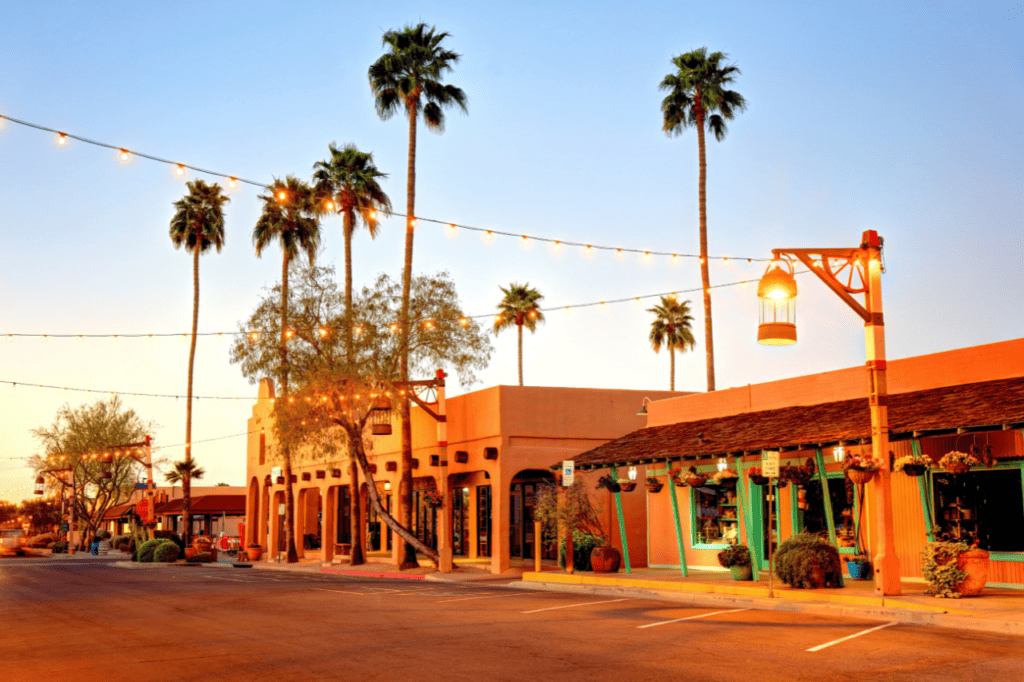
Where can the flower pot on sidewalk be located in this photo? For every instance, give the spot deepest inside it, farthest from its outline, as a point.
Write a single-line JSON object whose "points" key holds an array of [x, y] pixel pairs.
{"points": [[605, 559], [741, 572], [975, 564]]}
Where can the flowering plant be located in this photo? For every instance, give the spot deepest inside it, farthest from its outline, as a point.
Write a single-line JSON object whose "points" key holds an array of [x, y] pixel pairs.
{"points": [[434, 498], [652, 480], [860, 463], [958, 460], [754, 471], [723, 474], [691, 475], [913, 460]]}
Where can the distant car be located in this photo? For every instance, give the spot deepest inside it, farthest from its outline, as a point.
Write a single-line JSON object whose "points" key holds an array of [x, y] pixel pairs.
{"points": [[11, 540]]}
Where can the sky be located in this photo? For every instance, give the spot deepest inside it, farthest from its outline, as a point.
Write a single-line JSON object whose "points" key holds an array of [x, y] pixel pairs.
{"points": [[898, 117]]}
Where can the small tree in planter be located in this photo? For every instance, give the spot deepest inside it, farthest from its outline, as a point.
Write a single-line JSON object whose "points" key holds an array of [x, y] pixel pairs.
{"points": [[737, 559], [573, 511], [807, 560]]}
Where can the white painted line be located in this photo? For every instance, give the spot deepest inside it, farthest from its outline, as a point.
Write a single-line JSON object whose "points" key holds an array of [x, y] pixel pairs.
{"points": [[485, 596], [843, 639], [569, 606], [678, 620]]}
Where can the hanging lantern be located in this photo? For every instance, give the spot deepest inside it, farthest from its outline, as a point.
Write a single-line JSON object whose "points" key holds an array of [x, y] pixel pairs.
{"points": [[106, 463], [380, 418], [40, 486], [776, 294]]}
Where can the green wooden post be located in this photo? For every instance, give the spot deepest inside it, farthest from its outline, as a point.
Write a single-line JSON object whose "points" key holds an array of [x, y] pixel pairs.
{"points": [[679, 526], [756, 560], [819, 459], [622, 524], [922, 489]]}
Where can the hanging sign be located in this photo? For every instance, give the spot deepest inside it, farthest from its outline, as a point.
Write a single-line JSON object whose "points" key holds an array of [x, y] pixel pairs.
{"points": [[276, 472], [568, 472], [142, 509], [770, 464], [280, 509]]}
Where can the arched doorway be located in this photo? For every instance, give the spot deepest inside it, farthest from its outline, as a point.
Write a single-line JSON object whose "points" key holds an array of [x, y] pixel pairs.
{"points": [[522, 495], [252, 514]]}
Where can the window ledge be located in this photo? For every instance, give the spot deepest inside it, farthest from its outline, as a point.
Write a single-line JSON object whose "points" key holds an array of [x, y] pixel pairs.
{"points": [[699, 545]]}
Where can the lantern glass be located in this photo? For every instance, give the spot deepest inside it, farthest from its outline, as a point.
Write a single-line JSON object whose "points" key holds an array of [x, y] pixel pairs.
{"points": [[777, 324], [380, 419], [632, 473], [838, 453], [723, 464], [40, 486], [387, 485]]}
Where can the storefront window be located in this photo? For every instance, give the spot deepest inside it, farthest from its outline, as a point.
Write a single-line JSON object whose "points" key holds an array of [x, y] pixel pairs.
{"points": [[813, 518], [985, 506], [715, 515], [483, 520]]}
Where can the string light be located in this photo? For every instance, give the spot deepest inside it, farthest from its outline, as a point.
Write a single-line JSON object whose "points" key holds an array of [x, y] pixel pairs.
{"points": [[179, 170], [124, 156], [62, 139]]}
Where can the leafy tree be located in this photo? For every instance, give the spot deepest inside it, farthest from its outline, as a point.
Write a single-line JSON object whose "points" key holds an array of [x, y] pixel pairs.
{"points": [[409, 76], [198, 225], [76, 440], [698, 97], [289, 217], [8, 511], [342, 388], [672, 328], [519, 307], [42, 513]]}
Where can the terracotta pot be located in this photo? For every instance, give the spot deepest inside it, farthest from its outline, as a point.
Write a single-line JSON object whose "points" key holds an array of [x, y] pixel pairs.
{"points": [[605, 559], [254, 553], [742, 572], [860, 477], [696, 481], [654, 487], [975, 563], [628, 487], [202, 546], [190, 552]]}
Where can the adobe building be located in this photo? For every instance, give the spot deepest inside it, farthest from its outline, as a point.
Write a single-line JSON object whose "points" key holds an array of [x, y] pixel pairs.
{"points": [[215, 510], [955, 400], [500, 443]]}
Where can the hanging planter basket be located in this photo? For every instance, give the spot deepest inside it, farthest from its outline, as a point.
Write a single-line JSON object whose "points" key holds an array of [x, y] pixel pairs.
{"points": [[696, 481], [727, 482], [860, 477], [654, 487], [627, 486], [758, 479], [915, 469], [957, 468]]}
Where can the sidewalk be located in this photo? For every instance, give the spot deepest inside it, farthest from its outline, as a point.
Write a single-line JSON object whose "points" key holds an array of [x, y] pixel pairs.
{"points": [[996, 610]]}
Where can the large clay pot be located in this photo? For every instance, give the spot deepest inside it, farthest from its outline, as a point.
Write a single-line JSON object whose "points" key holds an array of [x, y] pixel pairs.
{"points": [[190, 552], [254, 553], [742, 572], [605, 559], [975, 563], [202, 545]]}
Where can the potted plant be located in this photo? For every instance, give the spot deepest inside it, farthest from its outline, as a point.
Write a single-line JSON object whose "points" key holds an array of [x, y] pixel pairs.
{"points": [[202, 543], [653, 484], [610, 483], [737, 559], [799, 476], [954, 569], [677, 477], [912, 465], [860, 468], [726, 478], [627, 485], [958, 462], [691, 478], [562, 511], [808, 561], [434, 499], [756, 477], [859, 565], [253, 551], [605, 559]]}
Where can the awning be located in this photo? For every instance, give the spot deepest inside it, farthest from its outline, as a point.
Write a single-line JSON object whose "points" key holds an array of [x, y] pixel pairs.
{"points": [[206, 504], [983, 406], [119, 511]]}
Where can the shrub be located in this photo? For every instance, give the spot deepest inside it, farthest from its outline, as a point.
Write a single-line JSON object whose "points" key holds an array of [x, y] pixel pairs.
{"points": [[201, 558], [167, 552], [940, 568], [799, 557], [146, 550], [582, 544], [115, 541], [737, 555], [59, 547], [105, 535]]}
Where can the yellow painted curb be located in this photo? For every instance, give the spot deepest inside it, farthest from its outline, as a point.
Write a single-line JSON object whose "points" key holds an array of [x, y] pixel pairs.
{"points": [[790, 595]]}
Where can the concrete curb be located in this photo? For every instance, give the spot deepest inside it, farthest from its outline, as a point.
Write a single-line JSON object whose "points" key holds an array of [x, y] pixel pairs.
{"points": [[470, 577], [176, 564], [936, 618], [374, 574]]}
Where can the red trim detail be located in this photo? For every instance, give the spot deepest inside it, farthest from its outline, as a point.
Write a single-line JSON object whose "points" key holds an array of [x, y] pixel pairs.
{"points": [[875, 364]]}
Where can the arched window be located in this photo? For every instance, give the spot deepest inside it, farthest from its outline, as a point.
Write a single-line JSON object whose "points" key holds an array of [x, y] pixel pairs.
{"points": [[263, 447]]}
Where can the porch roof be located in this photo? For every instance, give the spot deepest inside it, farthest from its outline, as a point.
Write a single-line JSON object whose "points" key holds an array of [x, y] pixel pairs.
{"points": [[118, 511], [984, 406], [206, 504]]}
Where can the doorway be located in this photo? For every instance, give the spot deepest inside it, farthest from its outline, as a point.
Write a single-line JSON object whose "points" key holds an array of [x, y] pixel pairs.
{"points": [[523, 496]]}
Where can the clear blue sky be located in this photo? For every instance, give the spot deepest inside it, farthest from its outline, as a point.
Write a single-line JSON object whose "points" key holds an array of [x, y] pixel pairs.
{"points": [[899, 117]]}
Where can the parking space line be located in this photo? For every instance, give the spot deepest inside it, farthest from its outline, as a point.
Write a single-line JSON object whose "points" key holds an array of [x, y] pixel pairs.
{"points": [[843, 639], [678, 620], [569, 606], [490, 596]]}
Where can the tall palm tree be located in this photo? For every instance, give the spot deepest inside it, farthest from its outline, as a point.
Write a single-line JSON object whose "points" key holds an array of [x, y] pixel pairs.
{"points": [[409, 76], [349, 182], [198, 225], [289, 217], [698, 97], [519, 307], [672, 328], [185, 470]]}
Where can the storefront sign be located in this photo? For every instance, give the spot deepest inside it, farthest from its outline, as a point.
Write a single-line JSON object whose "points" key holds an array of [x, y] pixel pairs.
{"points": [[280, 509], [568, 472], [276, 472], [770, 464]]}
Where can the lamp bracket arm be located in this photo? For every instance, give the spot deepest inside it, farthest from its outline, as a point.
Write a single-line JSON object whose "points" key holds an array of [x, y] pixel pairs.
{"points": [[804, 255], [437, 417]]}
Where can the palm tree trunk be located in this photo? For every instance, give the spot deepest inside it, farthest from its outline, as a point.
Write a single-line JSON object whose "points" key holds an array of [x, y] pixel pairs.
{"points": [[356, 557], [349, 225], [289, 493], [520, 328], [705, 278], [672, 368], [186, 503], [405, 487]]}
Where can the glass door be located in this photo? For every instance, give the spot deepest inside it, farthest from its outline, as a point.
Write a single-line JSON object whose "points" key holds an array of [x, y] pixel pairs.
{"points": [[483, 521], [460, 521]]}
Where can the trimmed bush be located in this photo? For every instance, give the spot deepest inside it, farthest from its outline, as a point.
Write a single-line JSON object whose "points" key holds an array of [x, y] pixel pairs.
{"points": [[146, 550], [800, 557], [736, 555], [201, 558], [59, 547], [167, 552]]}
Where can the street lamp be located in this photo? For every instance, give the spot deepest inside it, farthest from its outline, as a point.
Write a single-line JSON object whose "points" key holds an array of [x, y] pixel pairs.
{"points": [[380, 417], [40, 485], [847, 272]]}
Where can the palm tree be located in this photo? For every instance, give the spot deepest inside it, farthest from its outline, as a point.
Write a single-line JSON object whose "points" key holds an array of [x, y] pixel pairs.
{"points": [[519, 307], [409, 75], [349, 182], [672, 329], [184, 472], [198, 224], [289, 217], [698, 97]]}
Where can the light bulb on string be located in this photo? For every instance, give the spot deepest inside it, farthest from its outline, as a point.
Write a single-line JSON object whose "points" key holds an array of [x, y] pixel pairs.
{"points": [[179, 170], [675, 258], [463, 321], [232, 183], [451, 229], [62, 139], [124, 156], [282, 195], [489, 236]]}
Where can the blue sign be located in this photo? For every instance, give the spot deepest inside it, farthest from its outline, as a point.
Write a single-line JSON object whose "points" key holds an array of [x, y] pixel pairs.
{"points": [[141, 486]]}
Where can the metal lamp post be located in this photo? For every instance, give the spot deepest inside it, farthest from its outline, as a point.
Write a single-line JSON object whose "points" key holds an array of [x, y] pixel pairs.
{"points": [[847, 272]]}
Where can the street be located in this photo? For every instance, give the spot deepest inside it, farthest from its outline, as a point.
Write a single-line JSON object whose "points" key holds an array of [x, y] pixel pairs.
{"points": [[77, 620]]}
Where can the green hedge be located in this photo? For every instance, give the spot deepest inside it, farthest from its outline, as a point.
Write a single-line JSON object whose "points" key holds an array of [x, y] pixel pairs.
{"points": [[147, 549], [799, 557], [201, 558], [167, 552]]}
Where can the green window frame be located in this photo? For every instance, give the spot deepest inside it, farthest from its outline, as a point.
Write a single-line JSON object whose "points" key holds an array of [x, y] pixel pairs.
{"points": [[1015, 557], [709, 470]]}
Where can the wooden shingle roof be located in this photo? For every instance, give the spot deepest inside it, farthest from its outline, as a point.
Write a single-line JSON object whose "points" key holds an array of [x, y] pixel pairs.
{"points": [[984, 406]]}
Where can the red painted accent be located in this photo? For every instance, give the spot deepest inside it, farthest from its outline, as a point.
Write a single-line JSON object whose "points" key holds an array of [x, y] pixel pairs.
{"points": [[875, 364], [367, 574], [442, 443], [870, 238]]}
